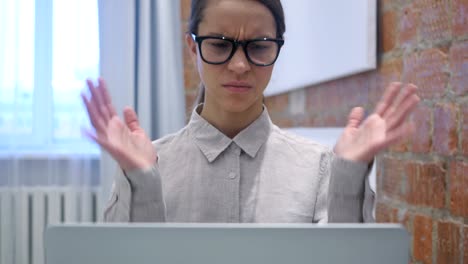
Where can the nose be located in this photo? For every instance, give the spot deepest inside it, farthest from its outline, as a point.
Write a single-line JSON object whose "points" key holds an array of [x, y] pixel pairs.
{"points": [[239, 63]]}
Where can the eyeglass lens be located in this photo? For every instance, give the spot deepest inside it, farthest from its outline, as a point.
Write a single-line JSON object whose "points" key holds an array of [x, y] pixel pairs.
{"points": [[259, 51]]}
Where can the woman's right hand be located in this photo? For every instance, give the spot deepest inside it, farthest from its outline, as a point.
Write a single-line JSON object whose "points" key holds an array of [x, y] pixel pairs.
{"points": [[127, 143]]}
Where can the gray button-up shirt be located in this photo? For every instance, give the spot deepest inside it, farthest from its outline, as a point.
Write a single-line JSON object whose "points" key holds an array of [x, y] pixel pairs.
{"points": [[264, 174]]}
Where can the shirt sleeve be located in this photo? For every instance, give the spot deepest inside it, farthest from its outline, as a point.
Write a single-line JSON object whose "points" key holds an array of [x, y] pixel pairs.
{"points": [[344, 194], [136, 197]]}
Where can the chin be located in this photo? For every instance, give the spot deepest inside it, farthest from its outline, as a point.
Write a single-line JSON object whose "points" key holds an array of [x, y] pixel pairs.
{"points": [[239, 106]]}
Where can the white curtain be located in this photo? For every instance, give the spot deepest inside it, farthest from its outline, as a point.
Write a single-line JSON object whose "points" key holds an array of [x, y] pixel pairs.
{"points": [[141, 60], [49, 173]]}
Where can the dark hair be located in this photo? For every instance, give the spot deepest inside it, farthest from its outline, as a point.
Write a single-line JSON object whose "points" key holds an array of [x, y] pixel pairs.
{"points": [[275, 7], [196, 15]]}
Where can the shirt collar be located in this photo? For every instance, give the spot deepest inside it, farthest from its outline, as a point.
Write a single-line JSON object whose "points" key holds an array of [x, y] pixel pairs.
{"points": [[213, 142]]}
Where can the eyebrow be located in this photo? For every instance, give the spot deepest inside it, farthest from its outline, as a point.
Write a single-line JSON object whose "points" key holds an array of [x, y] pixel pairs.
{"points": [[212, 34]]}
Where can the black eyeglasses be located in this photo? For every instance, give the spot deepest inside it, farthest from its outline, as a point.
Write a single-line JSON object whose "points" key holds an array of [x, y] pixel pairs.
{"points": [[219, 50]]}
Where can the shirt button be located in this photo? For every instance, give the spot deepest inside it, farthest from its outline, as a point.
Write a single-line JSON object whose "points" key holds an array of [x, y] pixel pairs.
{"points": [[232, 175]]}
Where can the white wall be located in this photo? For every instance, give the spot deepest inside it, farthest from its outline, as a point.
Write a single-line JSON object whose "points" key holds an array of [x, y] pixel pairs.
{"points": [[328, 137], [325, 40]]}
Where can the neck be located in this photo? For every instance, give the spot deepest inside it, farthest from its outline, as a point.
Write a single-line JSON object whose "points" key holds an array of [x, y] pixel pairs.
{"points": [[231, 123]]}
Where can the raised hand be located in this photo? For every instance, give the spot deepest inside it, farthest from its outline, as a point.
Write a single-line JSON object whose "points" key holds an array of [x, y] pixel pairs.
{"points": [[362, 140], [127, 143]]}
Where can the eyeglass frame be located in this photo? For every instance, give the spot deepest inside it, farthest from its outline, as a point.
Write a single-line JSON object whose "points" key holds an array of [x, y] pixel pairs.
{"points": [[235, 45]]}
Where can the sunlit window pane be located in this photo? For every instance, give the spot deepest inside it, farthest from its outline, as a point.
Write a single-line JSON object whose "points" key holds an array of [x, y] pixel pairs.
{"points": [[16, 68], [75, 58]]}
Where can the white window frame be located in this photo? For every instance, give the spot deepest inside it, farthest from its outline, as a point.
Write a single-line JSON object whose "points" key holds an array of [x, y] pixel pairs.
{"points": [[40, 142]]}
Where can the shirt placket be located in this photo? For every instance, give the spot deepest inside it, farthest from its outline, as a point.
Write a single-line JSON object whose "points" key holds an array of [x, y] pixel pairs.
{"points": [[233, 176]]}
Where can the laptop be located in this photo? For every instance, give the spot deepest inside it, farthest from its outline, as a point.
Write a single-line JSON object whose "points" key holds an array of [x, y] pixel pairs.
{"points": [[226, 243]]}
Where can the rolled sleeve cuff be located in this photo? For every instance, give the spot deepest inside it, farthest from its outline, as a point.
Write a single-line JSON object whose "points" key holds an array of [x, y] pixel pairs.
{"points": [[348, 176], [145, 184]]}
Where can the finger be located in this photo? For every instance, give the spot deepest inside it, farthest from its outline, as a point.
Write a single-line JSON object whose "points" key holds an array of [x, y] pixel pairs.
{"points": [[385, 103], [399, 133], [404, 110], [406, 92], [106, 116], [94, 117], [355, 117], [96, 101], [100, 141], [91, 115], [131, 119], [106, 97]]}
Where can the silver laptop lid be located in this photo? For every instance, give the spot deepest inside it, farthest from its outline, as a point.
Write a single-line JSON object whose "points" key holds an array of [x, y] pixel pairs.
{"points": [[226, 243]]}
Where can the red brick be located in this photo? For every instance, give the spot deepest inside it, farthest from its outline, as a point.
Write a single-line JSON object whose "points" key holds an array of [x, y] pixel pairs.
{"points": [[427, 71], [385, 213], [422, 239], [400, 146], [334, 119], [422, 137], [391, 178], [445, 129], [389, 71], [392, 4], [459, 188], [185, 10], [278, 103], [387, 31], [389, 4], [189, 102], [308, 120], [405, 218], [315, 101], [459, 67], [191, 79], [282, 122], [465, 244], [435, 19], [448, 243], [330, 95], [460, 18], [464, 129], [354, 90], [426, 184], [409, 23]]}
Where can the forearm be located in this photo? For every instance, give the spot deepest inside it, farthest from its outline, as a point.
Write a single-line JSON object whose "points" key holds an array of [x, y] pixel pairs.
{"points": [[346, 193], [137, 197]]}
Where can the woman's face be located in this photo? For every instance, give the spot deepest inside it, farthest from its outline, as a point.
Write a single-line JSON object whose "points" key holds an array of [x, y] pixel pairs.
{"points": [[237, 85]]}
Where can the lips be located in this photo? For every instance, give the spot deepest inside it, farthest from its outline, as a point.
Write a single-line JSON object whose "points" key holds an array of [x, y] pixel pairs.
{"points": [[237, 87]]}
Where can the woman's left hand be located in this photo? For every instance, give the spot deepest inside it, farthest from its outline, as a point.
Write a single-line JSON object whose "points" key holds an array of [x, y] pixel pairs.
{"points": [[363, 139]]}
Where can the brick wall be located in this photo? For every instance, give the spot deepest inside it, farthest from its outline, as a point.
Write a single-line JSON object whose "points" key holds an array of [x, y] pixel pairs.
{"points": [[423, 182]]}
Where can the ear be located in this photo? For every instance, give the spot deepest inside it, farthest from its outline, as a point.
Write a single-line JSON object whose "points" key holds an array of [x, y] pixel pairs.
{"points": [[192, 46]]}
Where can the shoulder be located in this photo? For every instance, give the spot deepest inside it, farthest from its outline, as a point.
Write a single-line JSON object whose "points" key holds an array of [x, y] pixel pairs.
{"points": [[298, 151], [294, 143], [171, 140], [295, 140]]}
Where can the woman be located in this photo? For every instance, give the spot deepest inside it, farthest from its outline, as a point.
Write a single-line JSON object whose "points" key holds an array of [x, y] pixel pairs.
{"points": [[230, 163]]}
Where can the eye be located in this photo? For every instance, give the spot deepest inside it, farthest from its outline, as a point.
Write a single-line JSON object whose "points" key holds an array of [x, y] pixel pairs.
{"points": [[219, 44], [258, 46], [261, 46]]}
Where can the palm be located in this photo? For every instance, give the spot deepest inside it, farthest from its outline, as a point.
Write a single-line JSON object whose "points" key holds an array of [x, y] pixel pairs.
{"points": [[130, 148], [362, 140], [126, 142]]}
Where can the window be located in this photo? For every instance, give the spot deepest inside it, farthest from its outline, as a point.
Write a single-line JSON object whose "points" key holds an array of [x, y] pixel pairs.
{"points": [[47, 50]]}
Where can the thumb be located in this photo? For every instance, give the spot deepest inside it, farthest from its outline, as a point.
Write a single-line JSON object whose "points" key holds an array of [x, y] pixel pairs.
{"points": [[355, 117], [131, 119]]}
